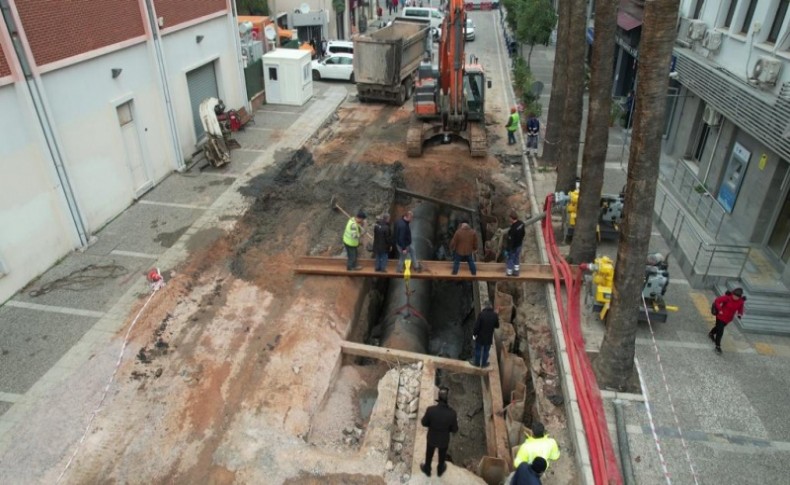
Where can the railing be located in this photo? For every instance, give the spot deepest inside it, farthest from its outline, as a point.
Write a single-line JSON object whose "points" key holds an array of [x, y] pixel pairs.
{"points": [[697, 200], [707, 259]]}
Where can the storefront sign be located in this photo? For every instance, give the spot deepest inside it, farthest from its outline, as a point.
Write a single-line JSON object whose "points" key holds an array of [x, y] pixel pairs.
{"points": [[632, 51]]}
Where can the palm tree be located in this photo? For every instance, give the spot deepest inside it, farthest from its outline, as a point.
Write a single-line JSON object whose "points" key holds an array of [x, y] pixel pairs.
{"points": [[597, 134], [615, 363], [551, 141], [574, 98]]}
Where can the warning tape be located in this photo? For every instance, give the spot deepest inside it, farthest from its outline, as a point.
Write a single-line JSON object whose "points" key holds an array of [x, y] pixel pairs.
{"points": [[157, 283], [671, 404]]}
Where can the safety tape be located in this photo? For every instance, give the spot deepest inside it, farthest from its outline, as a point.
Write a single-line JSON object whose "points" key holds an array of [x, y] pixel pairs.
{"points": [[671, 403], [156, 285]]}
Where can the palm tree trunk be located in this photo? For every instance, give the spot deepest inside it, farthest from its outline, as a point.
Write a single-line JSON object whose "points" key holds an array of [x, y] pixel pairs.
{"points": [[574, 98], [597, 133], [551, 141], [615, 363]]}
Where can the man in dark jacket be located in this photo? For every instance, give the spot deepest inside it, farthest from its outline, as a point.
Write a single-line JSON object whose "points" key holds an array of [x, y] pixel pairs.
{"points": [[463, 246], [529, 473], [483, 334], [382, 242], [440, 420], [515, 238], [403, 242]]}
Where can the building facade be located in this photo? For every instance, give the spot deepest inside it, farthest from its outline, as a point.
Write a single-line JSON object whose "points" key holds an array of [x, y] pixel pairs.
{"points": [[101, 104], [729, 122]]}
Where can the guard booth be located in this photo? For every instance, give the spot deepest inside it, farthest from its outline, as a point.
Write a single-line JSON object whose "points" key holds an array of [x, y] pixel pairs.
{"points": [[288, 76]]}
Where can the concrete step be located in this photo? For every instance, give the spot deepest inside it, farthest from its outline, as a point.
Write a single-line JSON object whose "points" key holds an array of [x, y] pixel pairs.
{"points": [[764, 324]]}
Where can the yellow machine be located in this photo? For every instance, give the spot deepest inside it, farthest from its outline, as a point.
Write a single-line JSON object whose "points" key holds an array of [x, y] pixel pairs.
{"points": [[608, 227], [603, 279]]}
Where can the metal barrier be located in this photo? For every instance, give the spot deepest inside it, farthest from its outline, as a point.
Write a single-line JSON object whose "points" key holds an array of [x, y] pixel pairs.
{"points": [[698, 201], [705, 257]]}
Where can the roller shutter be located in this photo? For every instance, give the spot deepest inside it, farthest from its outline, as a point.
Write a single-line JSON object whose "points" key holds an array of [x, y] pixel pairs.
{"points": [[202, 84]]}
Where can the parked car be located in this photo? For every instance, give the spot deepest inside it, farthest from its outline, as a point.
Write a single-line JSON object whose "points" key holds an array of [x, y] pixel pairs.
{"points": [[469, 30], [336, 66]]}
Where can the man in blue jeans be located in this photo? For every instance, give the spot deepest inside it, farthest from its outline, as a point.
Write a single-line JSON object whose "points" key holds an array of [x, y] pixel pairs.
{"points": [[403, 242], [483, 334], [515, 238]]}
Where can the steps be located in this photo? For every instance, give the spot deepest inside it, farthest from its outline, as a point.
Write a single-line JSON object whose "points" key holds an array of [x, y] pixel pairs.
{"points": [[767, 310]]}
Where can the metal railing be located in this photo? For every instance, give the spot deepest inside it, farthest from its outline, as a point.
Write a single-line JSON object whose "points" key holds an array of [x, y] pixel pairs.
{"points": [[697, 200], [706, 259]]}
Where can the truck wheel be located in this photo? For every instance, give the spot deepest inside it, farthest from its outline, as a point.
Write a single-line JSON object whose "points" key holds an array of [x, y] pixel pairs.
{"points": [[409, 88], [401, 95], [316, 76]]}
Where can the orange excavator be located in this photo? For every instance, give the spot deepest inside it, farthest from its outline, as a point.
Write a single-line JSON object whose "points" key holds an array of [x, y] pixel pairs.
{"points": [[450, 103]]}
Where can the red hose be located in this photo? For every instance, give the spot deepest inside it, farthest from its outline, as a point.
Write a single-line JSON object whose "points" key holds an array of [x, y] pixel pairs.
{"points": [[602, 457]]}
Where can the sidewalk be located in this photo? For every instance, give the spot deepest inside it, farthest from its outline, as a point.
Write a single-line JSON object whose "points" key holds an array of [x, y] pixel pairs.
{"points": [[60, 320]]}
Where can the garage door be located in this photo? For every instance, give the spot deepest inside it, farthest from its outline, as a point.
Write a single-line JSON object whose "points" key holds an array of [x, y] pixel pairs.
{"points": [[202, 84]]}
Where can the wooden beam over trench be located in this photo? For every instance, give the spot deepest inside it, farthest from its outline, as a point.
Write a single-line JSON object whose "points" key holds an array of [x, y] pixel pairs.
{"points": [[403, 356]]}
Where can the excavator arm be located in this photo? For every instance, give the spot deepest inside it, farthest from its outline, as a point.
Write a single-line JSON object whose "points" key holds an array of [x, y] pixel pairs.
{"points": [[451, 64]]}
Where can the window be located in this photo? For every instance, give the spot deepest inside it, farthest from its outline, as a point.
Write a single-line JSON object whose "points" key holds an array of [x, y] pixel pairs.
{"points": [[698, 9], [272, 74], [332, 61], [747, 20], [125, 113], [346, 61], [779, 19], [730, 13]]}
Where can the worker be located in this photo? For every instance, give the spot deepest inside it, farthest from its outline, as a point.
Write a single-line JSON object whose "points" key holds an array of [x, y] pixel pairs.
{"points": [[513, 123], [382, 242], [403, 242], [537, 445], [529, 473], [441, 420], [483, 334], [351, 237], [515, 239], [533, 131], [463, 246]]}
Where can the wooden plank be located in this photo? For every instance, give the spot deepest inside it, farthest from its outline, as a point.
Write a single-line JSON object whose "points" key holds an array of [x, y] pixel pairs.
{"points": [[431, 270], [402, 356], [498, 410], [434, 199]]}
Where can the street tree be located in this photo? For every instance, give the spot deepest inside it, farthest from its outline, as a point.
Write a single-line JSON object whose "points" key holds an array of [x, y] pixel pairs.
{"points": [[535, 22], [574, 97], [615, 363], [253, 7], [596, 136], [551, 140]]}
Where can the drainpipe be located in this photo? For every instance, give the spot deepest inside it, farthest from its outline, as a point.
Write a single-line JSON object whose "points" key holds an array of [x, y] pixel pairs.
{"points": [[47, 128], [234, 27], [165, 85]]}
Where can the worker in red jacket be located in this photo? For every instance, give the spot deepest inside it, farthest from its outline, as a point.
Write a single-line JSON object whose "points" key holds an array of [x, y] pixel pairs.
{"points": [[726, 307]]}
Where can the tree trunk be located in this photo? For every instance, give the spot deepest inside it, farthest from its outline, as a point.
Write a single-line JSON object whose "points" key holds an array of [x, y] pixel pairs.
{"points": [[615, 363], [551, 140], [597, 133], [574, 98]]}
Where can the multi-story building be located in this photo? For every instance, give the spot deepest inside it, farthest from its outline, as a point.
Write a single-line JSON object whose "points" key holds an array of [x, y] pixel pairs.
{"points": [[100, 103]]}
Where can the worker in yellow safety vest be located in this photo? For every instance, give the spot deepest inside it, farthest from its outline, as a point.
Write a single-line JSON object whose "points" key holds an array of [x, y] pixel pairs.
{"points": [[537, 445], [351, 238], [513, 123]]}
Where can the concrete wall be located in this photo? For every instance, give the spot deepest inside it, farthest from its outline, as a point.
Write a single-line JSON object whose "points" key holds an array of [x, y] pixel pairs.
{"points": [[183, 54], [36, 229], [82, 100]]}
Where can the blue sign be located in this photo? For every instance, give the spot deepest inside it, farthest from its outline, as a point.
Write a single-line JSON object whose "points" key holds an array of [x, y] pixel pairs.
{"points": [[733, 177], [590, 35]]}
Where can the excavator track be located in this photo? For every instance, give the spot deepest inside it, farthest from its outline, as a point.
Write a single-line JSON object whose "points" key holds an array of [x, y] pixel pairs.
{"points": [[414, 138], [478, 140]]}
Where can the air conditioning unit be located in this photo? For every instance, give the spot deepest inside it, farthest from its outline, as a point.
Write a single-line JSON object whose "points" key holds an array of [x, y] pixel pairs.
{"points": [[766, 70], [711, 117], [696, 30], [711, 40]]}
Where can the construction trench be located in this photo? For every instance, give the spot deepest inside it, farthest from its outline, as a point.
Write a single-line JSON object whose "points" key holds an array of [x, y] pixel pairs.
{"points": [[250, 372]]}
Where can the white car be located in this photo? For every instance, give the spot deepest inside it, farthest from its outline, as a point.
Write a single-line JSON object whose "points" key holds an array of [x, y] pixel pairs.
{"points": [[469, 30], [336, 66]]}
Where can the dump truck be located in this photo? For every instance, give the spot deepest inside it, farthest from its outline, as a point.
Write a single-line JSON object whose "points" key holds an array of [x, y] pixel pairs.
{"points": [[386, 61]]}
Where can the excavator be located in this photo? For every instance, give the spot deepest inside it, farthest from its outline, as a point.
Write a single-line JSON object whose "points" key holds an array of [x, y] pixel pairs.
{"points": [[450, 102]]}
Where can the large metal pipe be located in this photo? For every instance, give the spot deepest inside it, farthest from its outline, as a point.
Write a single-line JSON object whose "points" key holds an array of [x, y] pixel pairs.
{"points": [[405, 325]]}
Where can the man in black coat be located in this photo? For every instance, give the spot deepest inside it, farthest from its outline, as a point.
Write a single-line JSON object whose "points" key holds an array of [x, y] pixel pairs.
{"points": [[483, 334], [515, 238], [382, 242], [440, 420], [403, 242]]}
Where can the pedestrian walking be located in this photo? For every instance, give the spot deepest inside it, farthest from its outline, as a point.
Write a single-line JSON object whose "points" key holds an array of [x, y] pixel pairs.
{"points": [[515, 239], [382, 242], [512, 125], [395, 5], [483, 334], [725, 307], [441, 420], [323, 47], [463, 245], [403, 241], [351, 237], [379, 13], [537, 445], [533, 132], [529, 473]]}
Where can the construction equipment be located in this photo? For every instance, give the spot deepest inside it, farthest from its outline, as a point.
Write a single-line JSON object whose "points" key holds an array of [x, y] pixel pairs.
{"points": [[215, 147], [609, 217], [450, 102], [653, 289], [386, 60]]}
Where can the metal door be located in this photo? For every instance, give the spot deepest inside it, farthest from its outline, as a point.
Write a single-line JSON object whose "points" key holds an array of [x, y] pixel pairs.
{"points": [[273, 75], [202, 84], [141, 181]]}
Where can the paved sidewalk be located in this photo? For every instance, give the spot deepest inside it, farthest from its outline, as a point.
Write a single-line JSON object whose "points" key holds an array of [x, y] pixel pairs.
{"points": [[70, 314]]}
